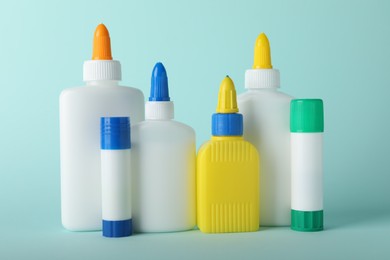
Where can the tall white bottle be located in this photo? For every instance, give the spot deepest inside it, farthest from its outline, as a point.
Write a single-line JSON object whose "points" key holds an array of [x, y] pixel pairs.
{"points": [[266, 114], [163, 156], [80, 111]]}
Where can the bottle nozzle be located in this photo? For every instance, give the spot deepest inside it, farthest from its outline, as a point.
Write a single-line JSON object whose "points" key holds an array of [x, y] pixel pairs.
{"points": [[159, 84], [227, 121], [262, 57], [101, 44], [227, 97]]}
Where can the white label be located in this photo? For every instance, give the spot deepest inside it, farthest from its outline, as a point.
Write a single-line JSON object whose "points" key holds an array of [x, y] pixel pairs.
{"points": [[116, 184], [306, 171]]}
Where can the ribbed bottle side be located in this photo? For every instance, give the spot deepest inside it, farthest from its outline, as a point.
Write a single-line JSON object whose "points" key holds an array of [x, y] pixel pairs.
{"points": [[231, 217], [233, 151]]}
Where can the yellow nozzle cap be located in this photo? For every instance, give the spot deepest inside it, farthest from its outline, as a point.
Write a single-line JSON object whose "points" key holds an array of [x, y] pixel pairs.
{"points": [[101, 44], [262, 57], [227, 97]]}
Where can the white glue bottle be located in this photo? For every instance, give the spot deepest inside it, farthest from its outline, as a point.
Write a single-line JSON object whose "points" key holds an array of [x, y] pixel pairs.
{"points": [[116, 176], [163, 156], [266, 114], [307, 127], [80, 111]]}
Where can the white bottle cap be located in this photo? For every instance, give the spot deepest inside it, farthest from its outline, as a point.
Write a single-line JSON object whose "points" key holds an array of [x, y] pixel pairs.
{"points": [[159, 110], [262, 75], [159, 106], [102, 70], [262, 78]]}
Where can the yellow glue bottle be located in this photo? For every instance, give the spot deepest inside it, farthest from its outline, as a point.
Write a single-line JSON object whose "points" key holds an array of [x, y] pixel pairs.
{"points": [[227, 172]]}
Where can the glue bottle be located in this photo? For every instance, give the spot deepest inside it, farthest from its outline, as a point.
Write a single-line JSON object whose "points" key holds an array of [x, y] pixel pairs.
{"points": [[163, 154], [80, 111], [227, 172], [116, 176], [307, 127], [266, 113]]}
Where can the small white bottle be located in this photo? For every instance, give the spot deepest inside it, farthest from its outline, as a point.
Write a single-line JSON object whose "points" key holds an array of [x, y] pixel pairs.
{"points": [[80, 111], [163, 156], [266, 114], [116, 177], [307, 127]]}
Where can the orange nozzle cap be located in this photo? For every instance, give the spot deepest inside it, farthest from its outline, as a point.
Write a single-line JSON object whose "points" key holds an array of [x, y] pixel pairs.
{"points": [[101, 44]]}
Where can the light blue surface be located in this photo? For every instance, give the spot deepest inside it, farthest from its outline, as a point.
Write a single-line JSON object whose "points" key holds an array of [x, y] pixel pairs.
{"points": [[335, 50]]}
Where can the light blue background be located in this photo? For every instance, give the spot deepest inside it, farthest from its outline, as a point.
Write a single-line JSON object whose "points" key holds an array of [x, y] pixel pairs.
{"points": [[335, 50]]}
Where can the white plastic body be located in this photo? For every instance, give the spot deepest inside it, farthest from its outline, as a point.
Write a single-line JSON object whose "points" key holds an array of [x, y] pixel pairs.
{"points": [[266, 115], [306, 171], [163, 156], [116, 184], [80, 111]]}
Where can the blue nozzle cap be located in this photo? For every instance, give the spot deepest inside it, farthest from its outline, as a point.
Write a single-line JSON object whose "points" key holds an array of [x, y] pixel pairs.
{"points": [[227, 124], [115, 133], [159, 84]]}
